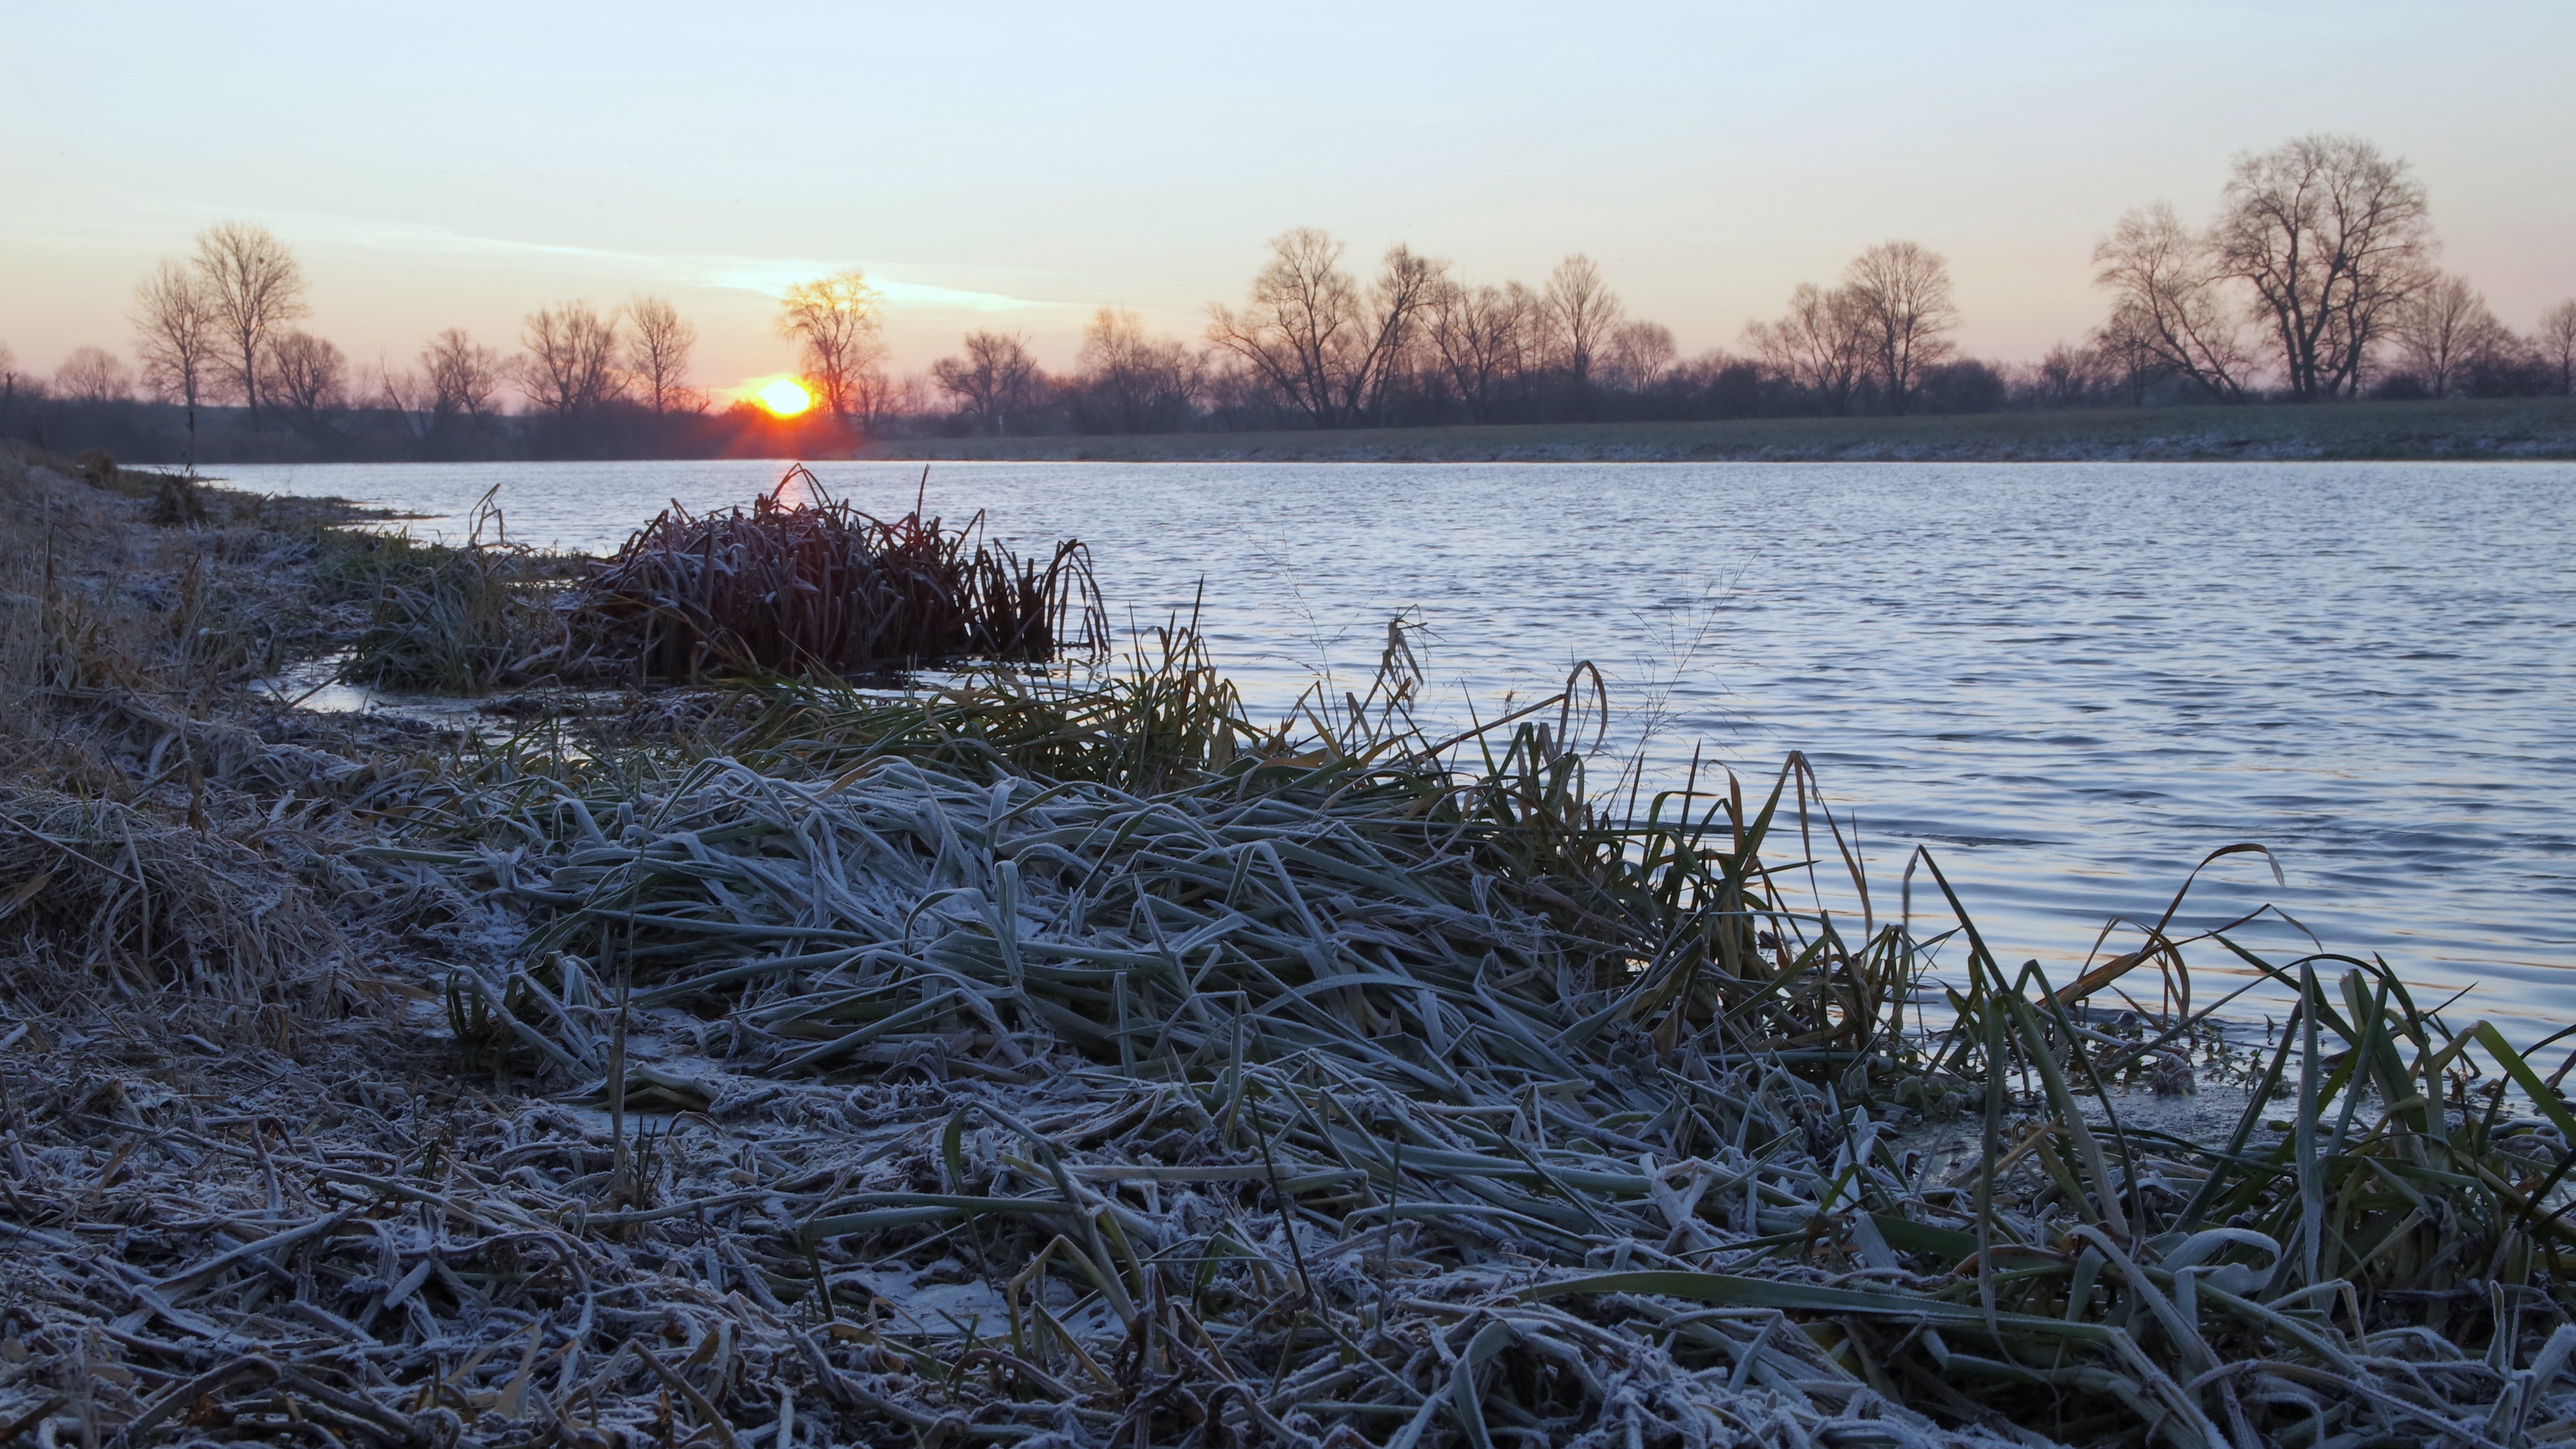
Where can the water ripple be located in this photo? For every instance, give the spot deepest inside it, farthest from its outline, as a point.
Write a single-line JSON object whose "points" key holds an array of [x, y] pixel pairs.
{"points": [[2069, 681]]}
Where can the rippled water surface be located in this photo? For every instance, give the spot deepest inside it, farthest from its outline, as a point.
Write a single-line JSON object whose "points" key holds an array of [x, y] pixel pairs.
{"points": [[2069, 681]]}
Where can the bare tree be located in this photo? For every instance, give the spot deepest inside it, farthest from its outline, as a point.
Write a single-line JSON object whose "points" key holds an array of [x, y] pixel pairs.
{"points": [[2068, 377], [569, 368], [834, 323], [1904, 292], [1481, 334], [306, 377], [254, 285], [657, 353], [2168, 301], [2555, 342], [995, 380], [1402, 293], [1822, 345], [2332, 236], [2129, 367], [175, 336], [1136, 382], [462, 375], [406, 395], [877, 395], [93, 375], [1309, 334], [1300, 323], [2443, 329], [1639, 355], [1582, 315]]}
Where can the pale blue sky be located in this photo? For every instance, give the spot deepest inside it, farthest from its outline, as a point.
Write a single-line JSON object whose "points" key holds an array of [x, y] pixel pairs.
{"points": [[462, 163]]}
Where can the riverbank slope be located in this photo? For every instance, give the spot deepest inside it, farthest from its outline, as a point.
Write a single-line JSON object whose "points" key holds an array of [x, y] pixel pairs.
{"points": [[1055, 1059]]}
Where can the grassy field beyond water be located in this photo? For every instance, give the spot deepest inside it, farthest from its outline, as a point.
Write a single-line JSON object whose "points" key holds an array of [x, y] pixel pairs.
{"points": [[2506, 428]]}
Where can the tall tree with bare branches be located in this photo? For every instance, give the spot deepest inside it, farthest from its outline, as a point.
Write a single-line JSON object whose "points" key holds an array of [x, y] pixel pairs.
{"points": [[176, 334], [255, 286], [1310, 334], [306, 378], [569, 367], [2332, 237], [1903, 291], [1406, 283], [658, 344], [1823, 345], [1302, 324], [93, 375], [997, 379], [2557, 343], [2169, 302], [1482, 335], [1131, 380], [1582, 315], [463, 377], [2443, 330], [834, 323], [1639, 355]]}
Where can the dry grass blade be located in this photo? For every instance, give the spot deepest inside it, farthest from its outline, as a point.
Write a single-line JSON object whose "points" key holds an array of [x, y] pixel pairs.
{"points": [[100, 901]]}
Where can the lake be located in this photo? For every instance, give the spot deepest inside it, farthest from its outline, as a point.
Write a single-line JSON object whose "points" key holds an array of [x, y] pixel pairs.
{"points": [[2068, 681]]}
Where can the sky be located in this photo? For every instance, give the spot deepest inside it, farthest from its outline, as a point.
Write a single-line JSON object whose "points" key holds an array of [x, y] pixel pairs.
{"points": [[1017, 165]]}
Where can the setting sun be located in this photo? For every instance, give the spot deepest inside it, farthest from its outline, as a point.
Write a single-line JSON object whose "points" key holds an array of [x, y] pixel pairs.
{"points": [[784, 398]]}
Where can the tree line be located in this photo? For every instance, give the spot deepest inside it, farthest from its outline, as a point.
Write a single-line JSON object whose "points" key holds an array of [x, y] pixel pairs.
{"points": [[2316, 278], [215, 340]]}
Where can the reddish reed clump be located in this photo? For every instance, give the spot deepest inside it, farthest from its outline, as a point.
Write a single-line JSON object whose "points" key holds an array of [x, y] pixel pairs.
{"points": [[819, 587]]}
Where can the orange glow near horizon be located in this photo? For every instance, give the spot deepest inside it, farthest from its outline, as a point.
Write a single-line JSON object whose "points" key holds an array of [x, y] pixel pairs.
{"points": [[784, 398]]}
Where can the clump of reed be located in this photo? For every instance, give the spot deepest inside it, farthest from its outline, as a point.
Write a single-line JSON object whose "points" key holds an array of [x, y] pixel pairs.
{"points": [[818, 587], [453, 618], [1162, 715]]}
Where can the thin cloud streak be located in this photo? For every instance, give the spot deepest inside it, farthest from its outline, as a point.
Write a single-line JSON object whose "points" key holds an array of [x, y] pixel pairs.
{"points": [[767, 276]]}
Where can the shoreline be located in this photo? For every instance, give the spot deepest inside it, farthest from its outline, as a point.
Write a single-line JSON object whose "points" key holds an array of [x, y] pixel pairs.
{"points": [[2518, 429]]}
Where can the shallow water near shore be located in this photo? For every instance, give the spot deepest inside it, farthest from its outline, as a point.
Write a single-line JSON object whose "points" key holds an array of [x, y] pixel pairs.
{"points": [[2068, 681]]}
